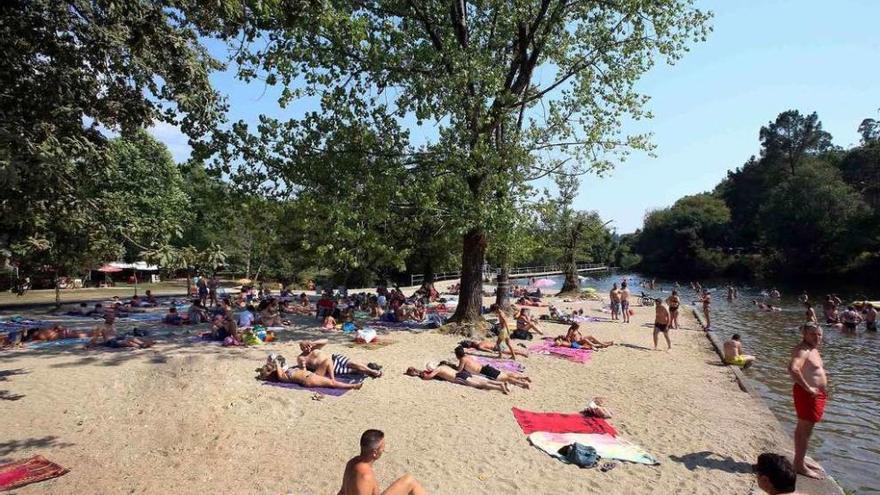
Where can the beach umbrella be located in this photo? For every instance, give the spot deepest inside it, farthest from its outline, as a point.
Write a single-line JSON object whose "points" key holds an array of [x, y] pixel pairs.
{"points": [[544, 282]]}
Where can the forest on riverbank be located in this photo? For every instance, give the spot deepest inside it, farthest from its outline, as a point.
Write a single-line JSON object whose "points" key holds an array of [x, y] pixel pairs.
{"points": [[803, 208]]}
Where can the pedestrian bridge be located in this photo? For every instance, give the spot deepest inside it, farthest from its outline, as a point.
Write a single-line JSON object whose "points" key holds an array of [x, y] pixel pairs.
{"points": [[516, 272]]}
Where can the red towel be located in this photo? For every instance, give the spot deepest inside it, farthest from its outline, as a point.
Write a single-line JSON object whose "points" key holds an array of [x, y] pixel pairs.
{"points": [[560, 423], [27, 471]]}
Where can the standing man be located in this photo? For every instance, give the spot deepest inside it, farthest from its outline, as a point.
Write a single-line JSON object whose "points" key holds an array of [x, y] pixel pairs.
{"points": [[614, 296], [212, 289], [624, 301], [706, 299], [202, 285], [809, 392], [870, 317], [661, 322], [359, 478]]}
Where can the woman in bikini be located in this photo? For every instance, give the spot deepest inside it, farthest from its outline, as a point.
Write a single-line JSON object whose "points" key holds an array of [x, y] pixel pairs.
{"points": [[575, 340], [273, 371]]}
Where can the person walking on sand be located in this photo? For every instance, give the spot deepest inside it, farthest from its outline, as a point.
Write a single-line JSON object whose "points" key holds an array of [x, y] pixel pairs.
{"points": [[624, 301], [673, 301], [661, 322], [733, 353], [503, 341], [614, 297], [359, 478], [706, 300], [809, 392]]}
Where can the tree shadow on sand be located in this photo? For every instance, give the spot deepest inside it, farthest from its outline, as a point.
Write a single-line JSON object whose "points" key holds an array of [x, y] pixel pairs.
{"points": [[711, 460], [47, 442]]}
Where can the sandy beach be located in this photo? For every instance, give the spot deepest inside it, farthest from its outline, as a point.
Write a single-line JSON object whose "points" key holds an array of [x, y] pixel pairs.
{"points": [[187, 417]]}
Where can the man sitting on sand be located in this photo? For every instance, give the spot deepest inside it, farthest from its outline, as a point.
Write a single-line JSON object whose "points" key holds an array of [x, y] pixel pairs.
{"points": [[471, 365], [775, 474], [575, 340], [525, 324], [488, 346], [172, 318], [314, 359], [733, 353], [197, 313], [448, 374], [359, 478], [274, 371], [105, 334]]}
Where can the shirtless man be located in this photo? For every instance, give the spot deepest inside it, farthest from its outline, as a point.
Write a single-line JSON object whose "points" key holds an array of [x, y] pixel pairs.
{"points": [[314, 359], [870, 317], [829, 308], [359, 478], [503, 340], [851, 319], [575, 340], [105, 334], [661, 323], [624, 301], [469, 364], [810, 314], [465, 378], [489, 345], [733, 353], [809, 391], [673, 301], [614, 297]]}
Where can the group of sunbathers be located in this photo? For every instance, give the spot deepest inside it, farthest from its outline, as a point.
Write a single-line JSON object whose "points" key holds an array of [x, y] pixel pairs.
{"points": [[316, 368]]}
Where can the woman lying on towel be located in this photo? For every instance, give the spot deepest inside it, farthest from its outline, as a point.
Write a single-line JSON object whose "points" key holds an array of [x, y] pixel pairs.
{"points": [[575, 340], [488, 346], [273, 371]]}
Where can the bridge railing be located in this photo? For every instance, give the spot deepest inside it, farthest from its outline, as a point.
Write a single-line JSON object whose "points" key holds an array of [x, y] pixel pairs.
{"points": [[419, 279]]}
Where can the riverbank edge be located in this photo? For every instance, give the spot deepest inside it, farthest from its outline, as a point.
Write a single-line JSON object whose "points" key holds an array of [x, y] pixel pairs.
{"points": [[828, 486]]}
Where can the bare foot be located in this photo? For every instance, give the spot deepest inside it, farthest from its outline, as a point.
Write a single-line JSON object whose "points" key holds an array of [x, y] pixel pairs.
{"points": [[526, 386], [505, 389], [809, 473], [358, 386], [810, 463]]}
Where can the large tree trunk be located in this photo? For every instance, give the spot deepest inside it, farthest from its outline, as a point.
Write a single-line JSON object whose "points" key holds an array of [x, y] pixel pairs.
{"points": [[57, 290], [470, 299], [502, 292], [569, 269]]}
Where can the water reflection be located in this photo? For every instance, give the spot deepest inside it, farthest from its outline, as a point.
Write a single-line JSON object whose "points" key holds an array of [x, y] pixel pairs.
{"points": [[847, 442]]}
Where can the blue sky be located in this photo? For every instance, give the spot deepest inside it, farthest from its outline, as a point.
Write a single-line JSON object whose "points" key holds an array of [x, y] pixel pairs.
{"points": [[763, 57]]}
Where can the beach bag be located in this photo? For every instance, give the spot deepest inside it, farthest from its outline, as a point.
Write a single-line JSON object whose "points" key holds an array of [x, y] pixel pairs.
{"points": [[521, 334], [348, 327], [580, 455]]}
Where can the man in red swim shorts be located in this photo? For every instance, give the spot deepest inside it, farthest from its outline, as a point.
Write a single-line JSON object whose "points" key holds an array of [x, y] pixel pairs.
{"points": [[809, 391]]}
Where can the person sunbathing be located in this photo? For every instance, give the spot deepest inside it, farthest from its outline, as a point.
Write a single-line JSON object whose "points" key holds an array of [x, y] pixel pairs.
{"points": [[575, 340], [471, 365], [273, 371], [172, 318], [314, 359], [55, 333], [488, 346], [105, 334], [448, 374], [524, 323], [329, 323]]}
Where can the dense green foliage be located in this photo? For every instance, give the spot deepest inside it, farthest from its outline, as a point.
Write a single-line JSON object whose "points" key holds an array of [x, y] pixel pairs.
{"points": [[803, 209]]}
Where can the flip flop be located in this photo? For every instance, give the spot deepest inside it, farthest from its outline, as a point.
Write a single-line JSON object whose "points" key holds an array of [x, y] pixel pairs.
{"points": [[374, 366], [318, 396], [607, 466]]}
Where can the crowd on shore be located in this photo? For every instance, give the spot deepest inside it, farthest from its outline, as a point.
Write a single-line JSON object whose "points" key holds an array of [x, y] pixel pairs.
{"points": [[254, 313]]}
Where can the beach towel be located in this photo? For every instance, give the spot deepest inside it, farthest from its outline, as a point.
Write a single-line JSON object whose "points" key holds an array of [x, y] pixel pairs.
{"points": [[55, 343], [335, 392], [156, 316], [26, 471], [531, 422], [546, 347], [502, 364], [606, 446]]}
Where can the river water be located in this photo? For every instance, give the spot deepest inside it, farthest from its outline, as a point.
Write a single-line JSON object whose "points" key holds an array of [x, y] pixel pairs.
{"points": [[847, 441]]}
